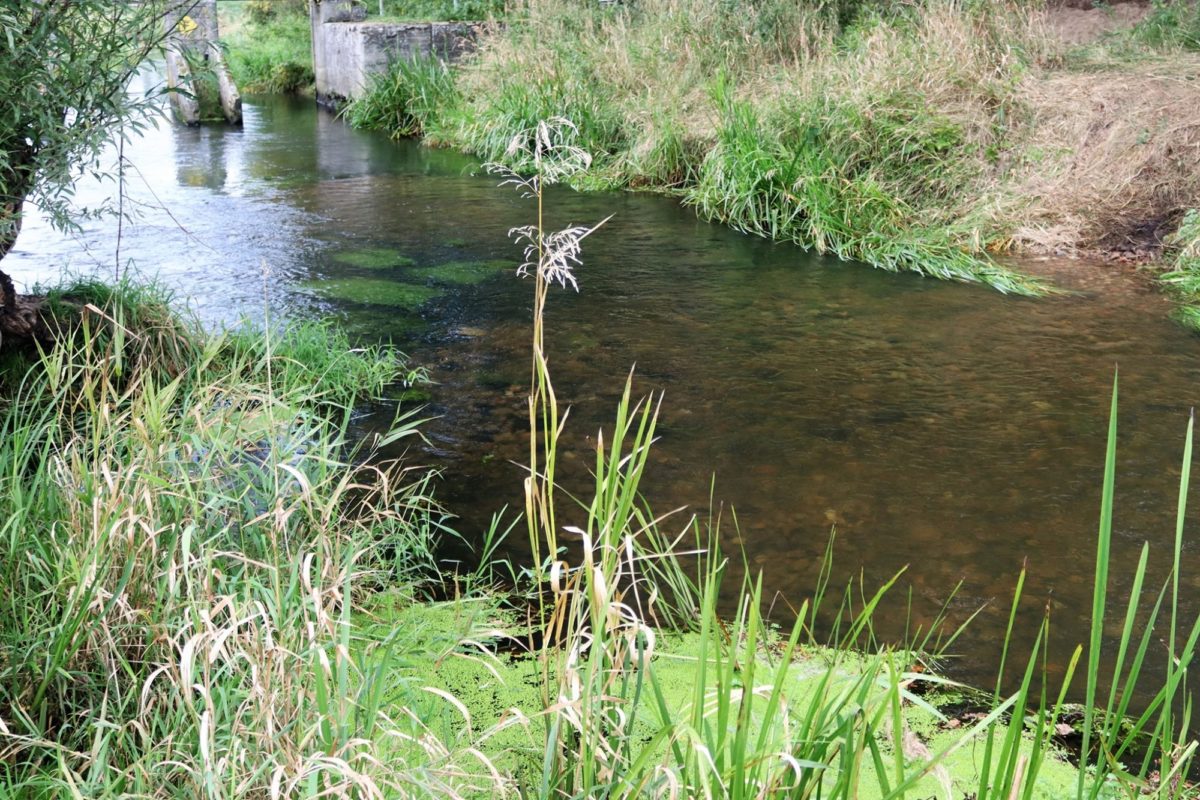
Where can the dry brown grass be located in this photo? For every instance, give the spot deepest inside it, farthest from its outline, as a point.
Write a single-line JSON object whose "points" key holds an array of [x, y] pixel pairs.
{"points": [[1113, 155]]}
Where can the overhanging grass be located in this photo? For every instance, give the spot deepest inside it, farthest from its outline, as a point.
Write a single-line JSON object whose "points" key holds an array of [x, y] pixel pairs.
{"points": [[1183, 277]]}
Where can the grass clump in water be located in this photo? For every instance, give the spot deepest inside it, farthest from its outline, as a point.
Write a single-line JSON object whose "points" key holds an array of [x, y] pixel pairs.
{"points": [[373, 291]]}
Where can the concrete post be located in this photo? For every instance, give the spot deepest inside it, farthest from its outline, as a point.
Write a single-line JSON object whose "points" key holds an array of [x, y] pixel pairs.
{"points": [[321, 13], [194, 33]]}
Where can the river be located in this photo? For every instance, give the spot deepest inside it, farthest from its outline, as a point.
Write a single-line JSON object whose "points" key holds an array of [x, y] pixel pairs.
{"points": [[940, 427]]}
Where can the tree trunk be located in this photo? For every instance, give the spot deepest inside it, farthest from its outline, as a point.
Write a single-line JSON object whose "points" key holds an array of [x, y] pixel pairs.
{"points": [[10, 229], [19, 316]]}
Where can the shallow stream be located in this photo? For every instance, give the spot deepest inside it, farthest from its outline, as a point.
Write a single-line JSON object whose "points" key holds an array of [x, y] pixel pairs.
{"points": [[940, 426]]}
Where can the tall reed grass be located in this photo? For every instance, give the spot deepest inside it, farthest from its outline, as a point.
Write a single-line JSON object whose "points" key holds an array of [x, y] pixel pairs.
{"points": [[188, 543]]}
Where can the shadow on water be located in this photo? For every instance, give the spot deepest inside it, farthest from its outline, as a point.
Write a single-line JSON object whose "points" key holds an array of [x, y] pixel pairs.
{"points": [[937, 426]]}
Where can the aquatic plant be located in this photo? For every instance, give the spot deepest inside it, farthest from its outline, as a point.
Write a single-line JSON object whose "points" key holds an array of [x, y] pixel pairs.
{"points": [[462, 273], [373, 258], [373, 291]]}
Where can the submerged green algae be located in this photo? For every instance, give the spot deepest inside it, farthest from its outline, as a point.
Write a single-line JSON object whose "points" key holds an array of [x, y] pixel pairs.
{"points": [[373, 258], [374, 324], [463, 273], [373, 291]]}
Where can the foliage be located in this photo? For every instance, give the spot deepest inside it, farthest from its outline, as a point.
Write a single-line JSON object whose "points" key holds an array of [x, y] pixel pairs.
{"points": [[852, 179], [1183, 254], [268, 52], [444, 10], [408, 100], [64, 72], [263, 11], [1170, 24]]}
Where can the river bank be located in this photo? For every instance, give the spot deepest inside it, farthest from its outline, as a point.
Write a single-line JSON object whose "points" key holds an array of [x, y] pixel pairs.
{"points": [[209, 593], [923, 139]]}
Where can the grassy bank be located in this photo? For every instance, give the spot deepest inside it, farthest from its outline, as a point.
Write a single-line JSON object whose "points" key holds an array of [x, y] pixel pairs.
{"points": [[1183, 279], [426, 10], [919, 136]]}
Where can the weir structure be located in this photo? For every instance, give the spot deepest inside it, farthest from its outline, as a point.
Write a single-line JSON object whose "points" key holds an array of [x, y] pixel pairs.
{"points": [[202, 90], [349, 49]]}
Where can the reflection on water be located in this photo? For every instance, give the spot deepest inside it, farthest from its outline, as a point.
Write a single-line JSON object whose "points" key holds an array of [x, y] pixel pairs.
{"points": [[939, 426]]}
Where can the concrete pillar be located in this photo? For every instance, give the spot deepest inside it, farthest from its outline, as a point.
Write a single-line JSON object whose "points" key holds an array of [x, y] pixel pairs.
{"points": [[194, 33], [321, 13], [194, 24]]}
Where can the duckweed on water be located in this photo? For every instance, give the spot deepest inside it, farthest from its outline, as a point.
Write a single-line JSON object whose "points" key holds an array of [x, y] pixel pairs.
{"points": [[492, 687], [464, 273], [373, 291], [374, 258]]}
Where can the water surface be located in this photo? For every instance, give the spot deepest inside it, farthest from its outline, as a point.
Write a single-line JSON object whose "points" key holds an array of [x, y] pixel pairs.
{"points": [[940, 427]]}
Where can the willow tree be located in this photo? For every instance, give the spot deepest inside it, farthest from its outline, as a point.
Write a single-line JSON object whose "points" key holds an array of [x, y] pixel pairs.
{"points": [[65, 67]]}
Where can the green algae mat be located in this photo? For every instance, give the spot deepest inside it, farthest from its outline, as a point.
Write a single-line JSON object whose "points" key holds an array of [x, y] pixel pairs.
{"points": [[373, 291], [373, 258]]}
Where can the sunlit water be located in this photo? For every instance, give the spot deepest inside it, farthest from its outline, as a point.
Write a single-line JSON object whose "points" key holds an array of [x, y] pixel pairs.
{"points": [[937, 426]]}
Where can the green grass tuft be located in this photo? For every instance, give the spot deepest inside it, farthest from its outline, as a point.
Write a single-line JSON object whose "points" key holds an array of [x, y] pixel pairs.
{"points": [[413, 98], [270, 54]]}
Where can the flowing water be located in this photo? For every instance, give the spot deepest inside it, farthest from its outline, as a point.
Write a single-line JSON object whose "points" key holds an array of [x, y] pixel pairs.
{"points": [[937, 426]]}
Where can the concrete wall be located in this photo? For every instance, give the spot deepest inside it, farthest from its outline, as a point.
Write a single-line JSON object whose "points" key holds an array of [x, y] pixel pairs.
{"points": [[348, 51]]}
